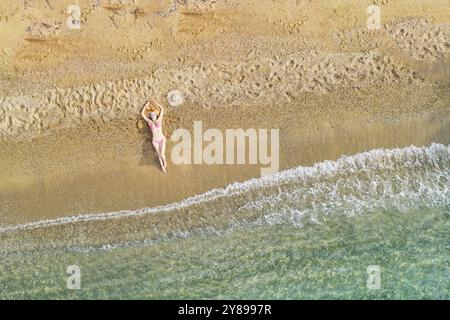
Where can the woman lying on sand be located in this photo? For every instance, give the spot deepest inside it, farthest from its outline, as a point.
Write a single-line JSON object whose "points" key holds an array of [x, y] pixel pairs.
{"points": [[155, 122]]}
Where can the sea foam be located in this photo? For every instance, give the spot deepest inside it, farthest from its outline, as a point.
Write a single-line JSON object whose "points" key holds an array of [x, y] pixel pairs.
{"points": [[381, 178]]}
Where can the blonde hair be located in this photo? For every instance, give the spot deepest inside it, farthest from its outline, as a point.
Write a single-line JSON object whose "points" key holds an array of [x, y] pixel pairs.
{"points": [[152, 106]]}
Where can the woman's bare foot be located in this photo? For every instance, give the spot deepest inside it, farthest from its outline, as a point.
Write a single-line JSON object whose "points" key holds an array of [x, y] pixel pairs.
{"points": [[161, 162]]}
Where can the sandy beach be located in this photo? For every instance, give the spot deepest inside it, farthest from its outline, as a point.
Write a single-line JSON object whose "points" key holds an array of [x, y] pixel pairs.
{"points": [[71, 138]]}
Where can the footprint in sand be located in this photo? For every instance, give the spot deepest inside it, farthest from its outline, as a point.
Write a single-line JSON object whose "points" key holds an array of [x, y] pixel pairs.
{"points": [[41, 31]]}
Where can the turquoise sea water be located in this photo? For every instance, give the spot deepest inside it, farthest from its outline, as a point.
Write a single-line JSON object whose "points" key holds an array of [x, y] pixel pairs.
{"points": [[305, 233]]}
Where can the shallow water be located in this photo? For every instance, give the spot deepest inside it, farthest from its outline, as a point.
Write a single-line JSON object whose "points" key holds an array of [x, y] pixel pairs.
{"points": [[304, 233]]}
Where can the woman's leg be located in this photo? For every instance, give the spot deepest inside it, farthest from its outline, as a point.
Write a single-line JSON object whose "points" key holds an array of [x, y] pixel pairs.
{"points": [[157, 148], [163, 152]]}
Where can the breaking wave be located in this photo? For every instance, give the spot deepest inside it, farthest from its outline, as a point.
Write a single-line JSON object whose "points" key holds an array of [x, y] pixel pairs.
{"points": [[398, 179]]}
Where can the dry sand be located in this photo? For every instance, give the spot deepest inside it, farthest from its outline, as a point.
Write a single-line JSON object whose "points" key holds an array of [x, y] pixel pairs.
{"points": [[71, 138]]}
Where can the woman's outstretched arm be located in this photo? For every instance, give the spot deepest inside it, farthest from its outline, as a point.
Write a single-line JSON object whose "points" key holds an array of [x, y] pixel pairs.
{"points": [[143, 114], [161, 114]]}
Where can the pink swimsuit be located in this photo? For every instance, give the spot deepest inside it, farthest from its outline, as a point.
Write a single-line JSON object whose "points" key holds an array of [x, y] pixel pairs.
{"points": [[153, 127]]}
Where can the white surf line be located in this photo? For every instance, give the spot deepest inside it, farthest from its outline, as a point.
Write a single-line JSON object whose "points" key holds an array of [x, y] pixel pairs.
{"points": [[229, 190], [317, 170], [109, 215]]}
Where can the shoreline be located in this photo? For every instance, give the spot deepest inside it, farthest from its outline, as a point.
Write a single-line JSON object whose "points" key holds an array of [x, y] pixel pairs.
{"points": [[342, 182], [209, 195]]}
